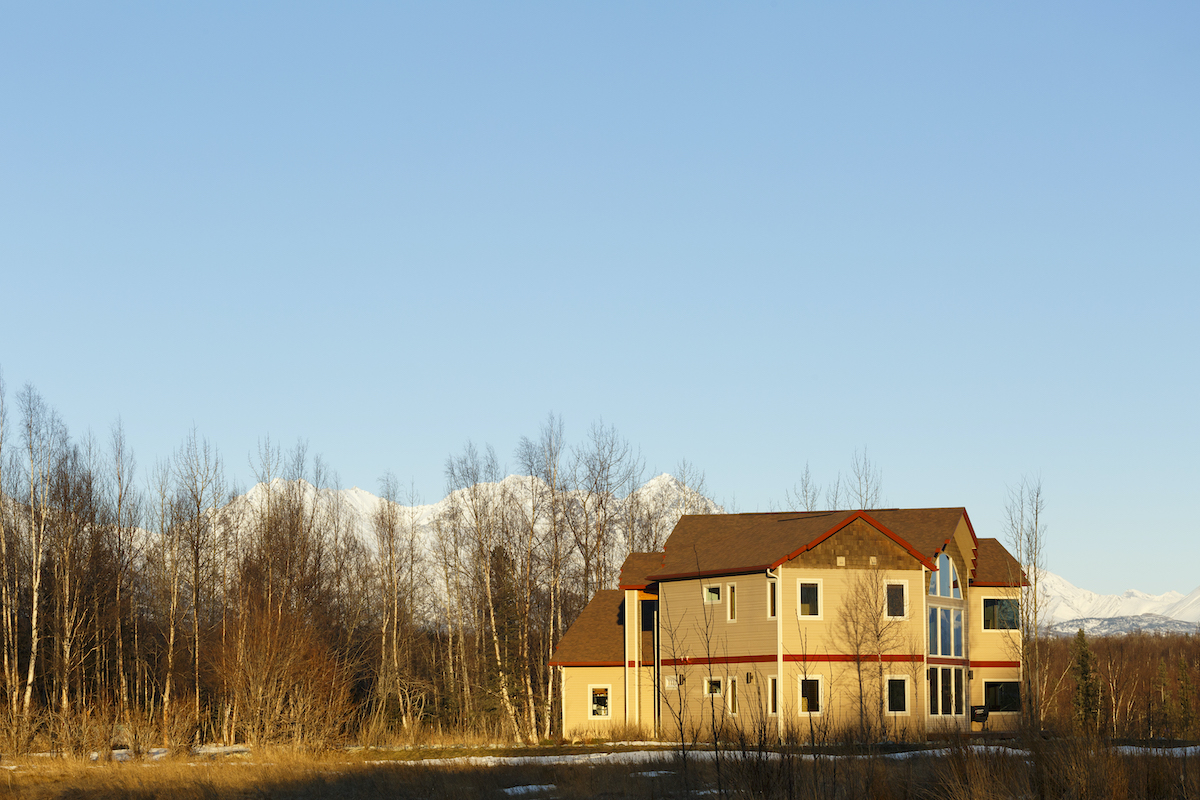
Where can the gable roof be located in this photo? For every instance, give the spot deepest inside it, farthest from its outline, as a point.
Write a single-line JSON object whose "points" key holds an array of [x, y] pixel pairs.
{"points": [[597, 637], [997, 567], [637, 568], [721, 544]]}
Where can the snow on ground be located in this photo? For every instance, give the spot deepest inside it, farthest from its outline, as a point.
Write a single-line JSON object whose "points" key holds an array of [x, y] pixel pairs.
{"points": [[517, 791]]}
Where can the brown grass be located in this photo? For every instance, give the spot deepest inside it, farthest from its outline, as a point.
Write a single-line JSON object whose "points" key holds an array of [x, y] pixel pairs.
{"points": [[1069, 768]]}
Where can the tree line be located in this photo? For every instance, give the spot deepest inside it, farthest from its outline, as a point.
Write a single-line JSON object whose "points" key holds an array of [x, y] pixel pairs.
{"points": [[168, 607]]}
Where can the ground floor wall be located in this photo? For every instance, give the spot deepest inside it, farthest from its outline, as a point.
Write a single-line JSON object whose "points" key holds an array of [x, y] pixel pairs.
{"points": [[902, 697], [593, 700]]}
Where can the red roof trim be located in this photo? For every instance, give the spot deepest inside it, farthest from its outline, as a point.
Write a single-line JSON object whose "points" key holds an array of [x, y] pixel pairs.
{"points": [[865, 517]]}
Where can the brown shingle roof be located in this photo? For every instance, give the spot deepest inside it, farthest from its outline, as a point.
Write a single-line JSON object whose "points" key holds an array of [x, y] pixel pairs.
{"points": [[597, 638], [997, 567], [729, 543], [636, 567]]}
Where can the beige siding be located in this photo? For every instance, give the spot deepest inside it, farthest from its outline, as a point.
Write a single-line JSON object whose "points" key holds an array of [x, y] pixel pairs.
{"points": [[689, 628], [577, 700]]}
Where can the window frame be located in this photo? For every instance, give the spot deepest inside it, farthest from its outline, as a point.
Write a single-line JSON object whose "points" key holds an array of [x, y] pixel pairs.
{"points": [[592, 704], [707, 591], [772, 599], [731, 602], [937, 634], [820, 584], [670, 682], [998, 599], [908, 695], [708, 682], [800, 679], [903, 582], [732, 701], [772, 695]]}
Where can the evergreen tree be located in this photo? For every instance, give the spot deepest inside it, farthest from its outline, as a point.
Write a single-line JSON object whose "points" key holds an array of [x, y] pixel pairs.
{"points": [[1186, 696], [1086, 702]]}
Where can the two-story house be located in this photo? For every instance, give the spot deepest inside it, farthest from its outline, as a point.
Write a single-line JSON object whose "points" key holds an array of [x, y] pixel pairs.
{"points": [[894, 621]]}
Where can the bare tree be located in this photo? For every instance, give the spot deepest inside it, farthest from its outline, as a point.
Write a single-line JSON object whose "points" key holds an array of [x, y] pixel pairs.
{"points": [[474, 485], [601, 473], [45, 436], [199, 476], [867, 489], [867, 633], [1027, 537], [806, 494]]}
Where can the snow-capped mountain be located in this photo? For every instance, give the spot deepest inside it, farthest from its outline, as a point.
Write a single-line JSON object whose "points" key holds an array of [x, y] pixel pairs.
{"points": [[1069, 608]]}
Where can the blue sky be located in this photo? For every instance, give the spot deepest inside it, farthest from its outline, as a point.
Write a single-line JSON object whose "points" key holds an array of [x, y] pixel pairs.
{"points": [[963, 236]]}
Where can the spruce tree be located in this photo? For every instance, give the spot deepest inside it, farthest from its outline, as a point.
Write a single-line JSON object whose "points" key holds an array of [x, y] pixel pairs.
{"points": [[1087, 685]]}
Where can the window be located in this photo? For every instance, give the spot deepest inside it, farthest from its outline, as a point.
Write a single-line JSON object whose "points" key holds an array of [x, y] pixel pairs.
{"points": [[773, 694], [732, 696], [897, 695], [895, 600], [771, 613], [712, 595], [712, 687], [944, 582], [671, 682], [1002, 695], [809, 594], [1001, 614], [945, 690], [731, 590], [599, 708], [946, 632], [810, 695]]}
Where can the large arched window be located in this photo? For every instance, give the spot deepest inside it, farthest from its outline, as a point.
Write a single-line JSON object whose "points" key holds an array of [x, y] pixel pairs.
{"points": [[944, 582]]}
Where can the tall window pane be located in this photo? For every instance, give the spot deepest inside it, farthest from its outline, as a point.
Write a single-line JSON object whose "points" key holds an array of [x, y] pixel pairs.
{"points": [[958, 633], [933, 633], [944, 575], [947, 632]]}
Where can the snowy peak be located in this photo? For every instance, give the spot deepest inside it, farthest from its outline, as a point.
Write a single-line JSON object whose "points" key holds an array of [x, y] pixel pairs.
{"points": [[1069, 608]]}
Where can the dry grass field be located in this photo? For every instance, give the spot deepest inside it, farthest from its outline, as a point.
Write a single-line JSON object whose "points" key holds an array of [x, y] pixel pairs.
{"points": [[1056, 769]]}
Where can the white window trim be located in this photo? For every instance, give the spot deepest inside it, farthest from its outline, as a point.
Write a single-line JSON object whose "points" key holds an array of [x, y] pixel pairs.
{"points": [[998, 630], [731, 602], [706, 593], [775, 584], [730, 691], [708, 679], [907, 597], [820, 615], [908, 695], [670, 682], [592, 686], [800, 679], [772, 694]]}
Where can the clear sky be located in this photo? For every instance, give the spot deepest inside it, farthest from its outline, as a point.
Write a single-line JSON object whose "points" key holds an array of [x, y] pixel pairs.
{"points": [[962, 235]]}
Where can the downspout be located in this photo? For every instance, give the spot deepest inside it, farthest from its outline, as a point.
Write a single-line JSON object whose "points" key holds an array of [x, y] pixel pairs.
{"points": [[778, 699]]}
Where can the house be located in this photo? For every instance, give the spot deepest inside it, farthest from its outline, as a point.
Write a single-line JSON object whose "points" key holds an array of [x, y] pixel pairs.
{"points": [[892, 621]]}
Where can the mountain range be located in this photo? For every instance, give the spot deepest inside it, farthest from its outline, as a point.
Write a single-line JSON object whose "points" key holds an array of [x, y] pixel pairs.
{"points": [[1067, 607]]}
